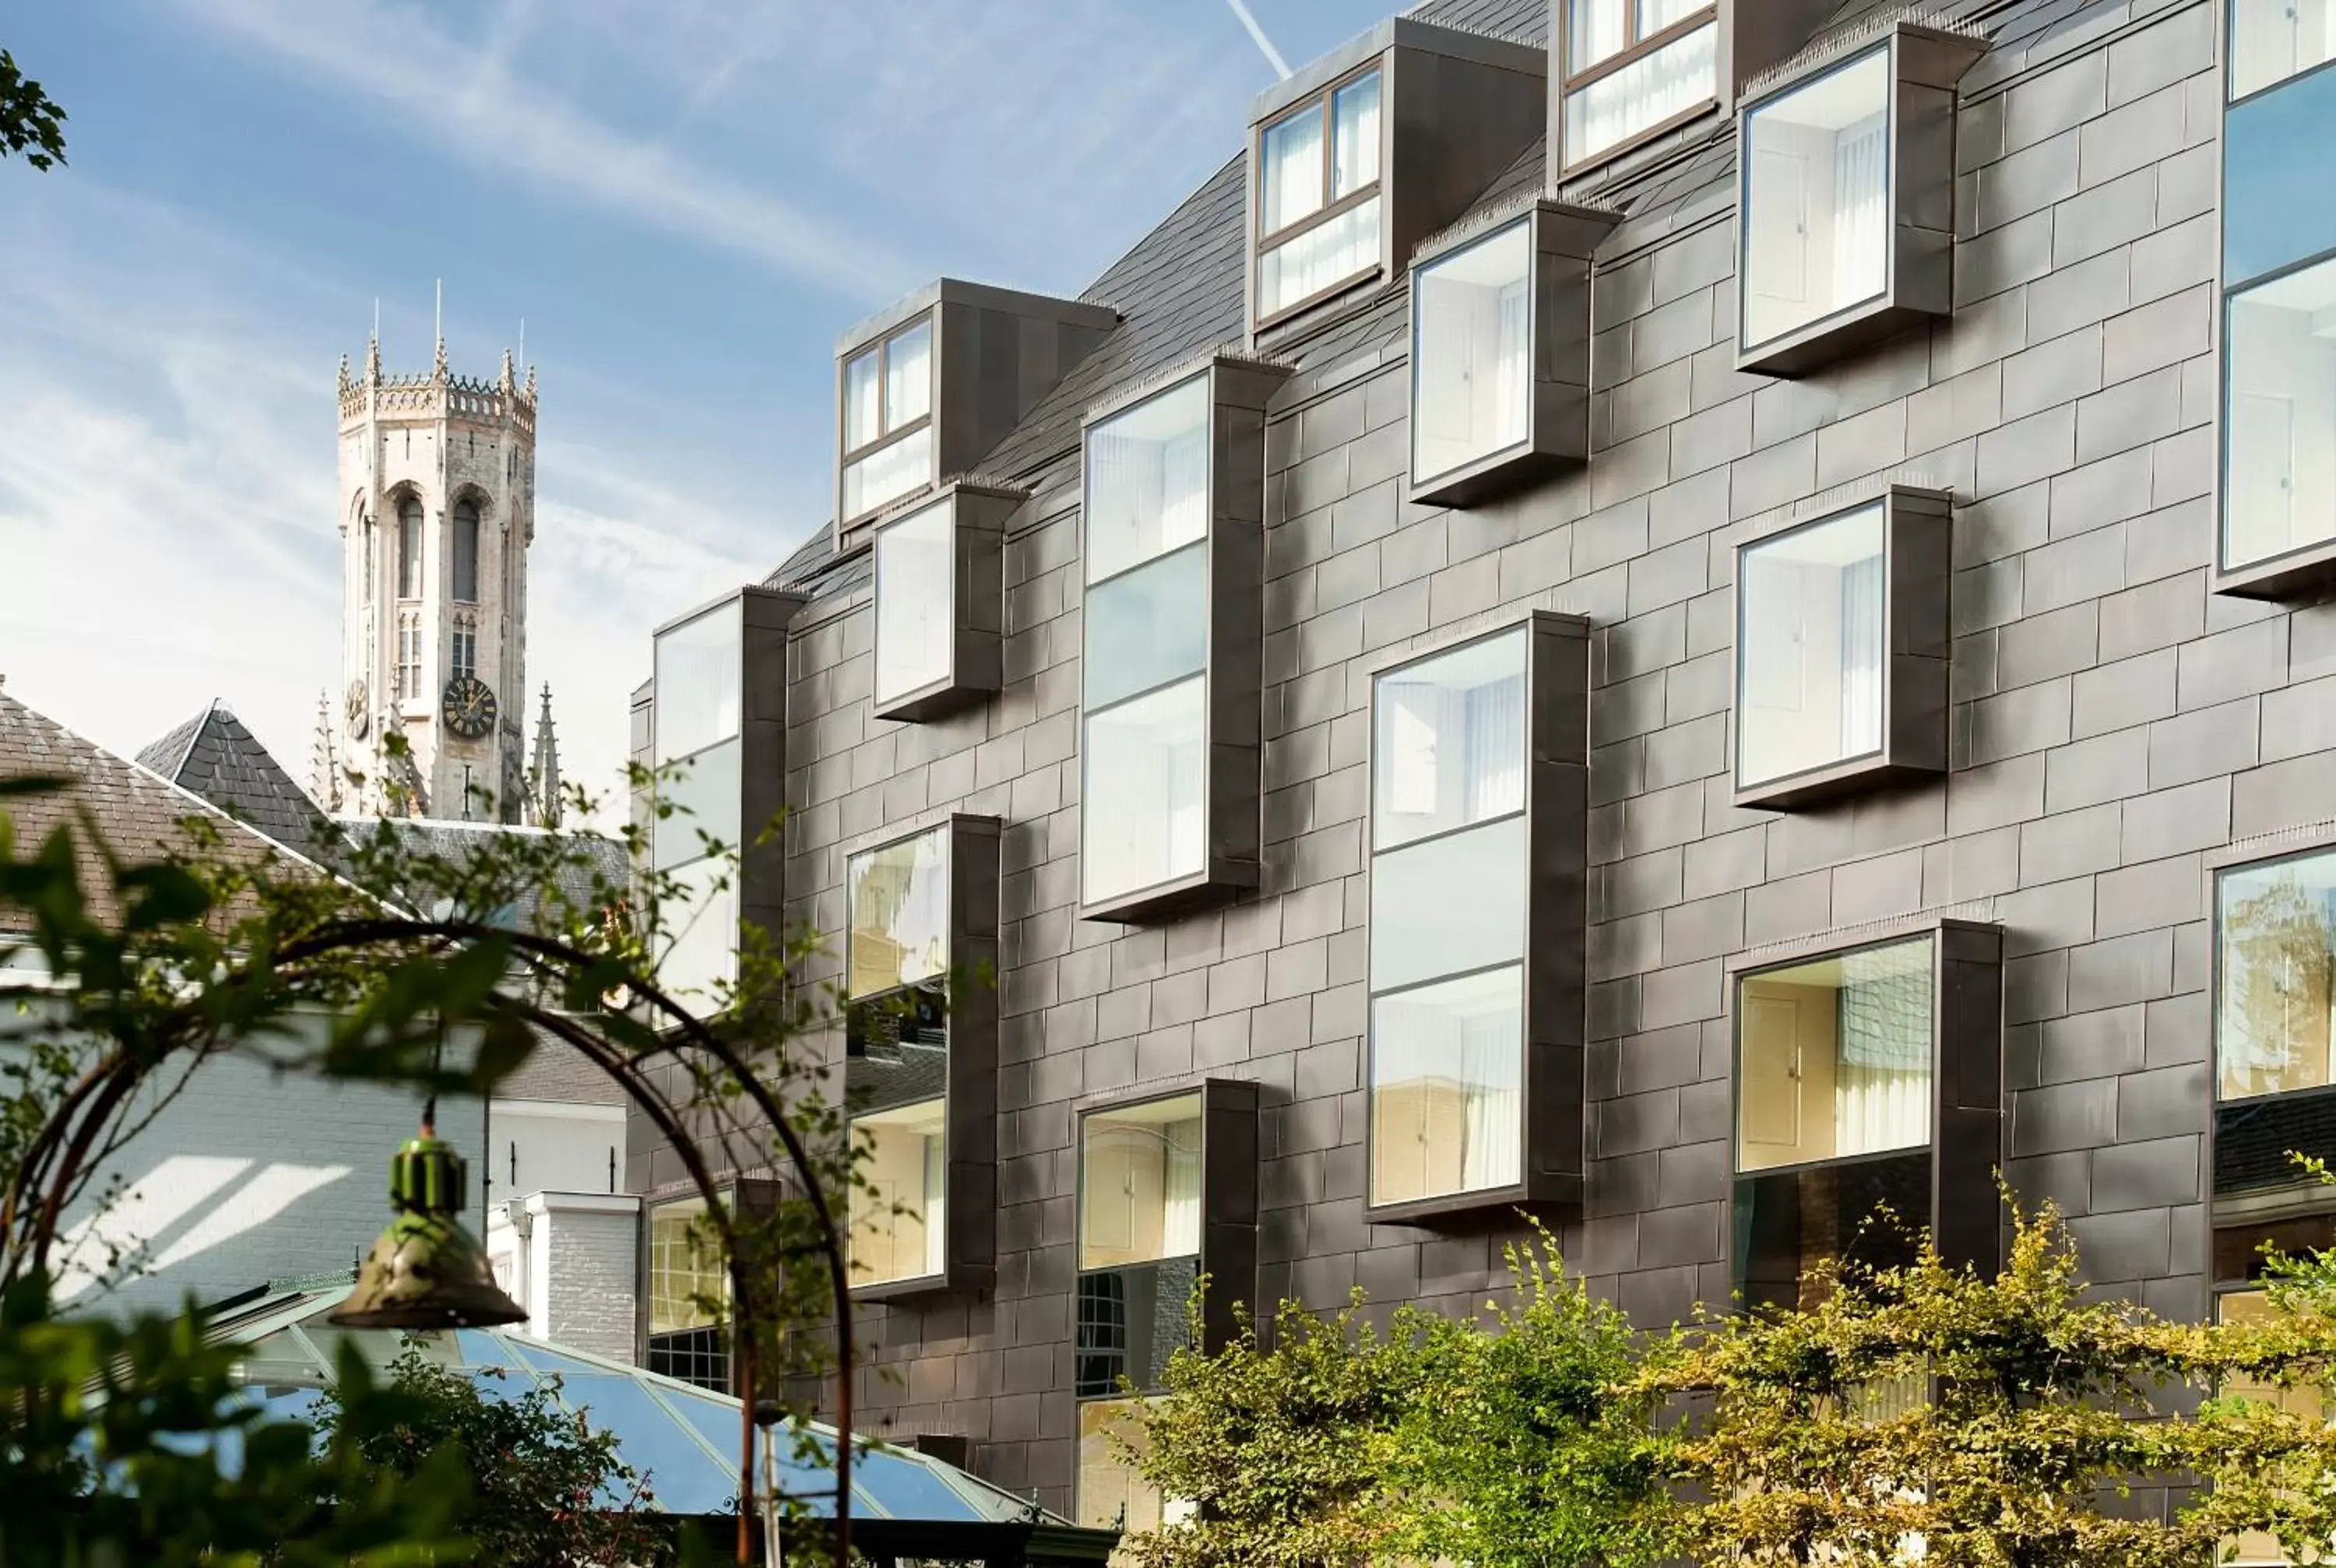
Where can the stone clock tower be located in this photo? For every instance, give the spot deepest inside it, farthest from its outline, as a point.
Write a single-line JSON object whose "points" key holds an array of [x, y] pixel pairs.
{"points": [[437, 511]]}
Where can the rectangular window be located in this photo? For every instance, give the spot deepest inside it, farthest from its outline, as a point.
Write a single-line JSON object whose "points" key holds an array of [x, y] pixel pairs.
{"points": [[1448, 835], [697, 671], [1816, 229], [689, 1295], [697, 722], [1812, 606], [2273, 40], [1147, 621], [1632, 67], [1318, 196], [2279, 426], [1835, 1059], [2275, 941], [409, 656], [1472, 370], [888, 436], [464, 660], [1113, 1495], [1139, 1183], [915, 602], [896, 1065]]}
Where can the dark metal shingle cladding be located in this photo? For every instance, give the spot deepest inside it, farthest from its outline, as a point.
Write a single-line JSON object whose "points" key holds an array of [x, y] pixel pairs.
{"points": [[214, 755]]}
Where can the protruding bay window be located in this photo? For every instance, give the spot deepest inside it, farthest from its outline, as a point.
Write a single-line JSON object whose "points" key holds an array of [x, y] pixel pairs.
{"points": [[1174, 617], [1847, 201], [921, 1057], [1479, 782], [1867, 1078], [1167, 1193], [1842, 651], [940, 601], [925, 388], [1500, 354], [718, 723]]}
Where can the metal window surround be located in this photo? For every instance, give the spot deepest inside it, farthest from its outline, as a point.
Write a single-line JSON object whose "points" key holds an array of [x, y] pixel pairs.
{"points": [[996, 353], [1918, 264], [763, 618], [1231, 785], [1565, 239], [1554, 1093], [1456, 109], [978, 514], [1229, 1196], [1967, 1128], [969, 1223], [1916, 641]]}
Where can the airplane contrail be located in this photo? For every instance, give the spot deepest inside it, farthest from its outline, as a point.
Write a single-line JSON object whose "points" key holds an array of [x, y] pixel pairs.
{"points": [[1272, 56]]}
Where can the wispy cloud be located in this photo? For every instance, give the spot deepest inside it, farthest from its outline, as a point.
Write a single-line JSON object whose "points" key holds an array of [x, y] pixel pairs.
{"points": [[395, 57]]}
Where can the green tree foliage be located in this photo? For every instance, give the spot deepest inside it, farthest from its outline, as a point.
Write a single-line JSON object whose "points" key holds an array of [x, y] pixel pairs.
{"points": [[546, 1490], [1527, 1443], [1285, 1451], [31, 124], [1924, 1413]]}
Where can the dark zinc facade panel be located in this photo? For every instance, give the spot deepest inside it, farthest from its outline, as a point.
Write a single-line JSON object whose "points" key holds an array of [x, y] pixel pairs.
{"points": [[2114, 727]]}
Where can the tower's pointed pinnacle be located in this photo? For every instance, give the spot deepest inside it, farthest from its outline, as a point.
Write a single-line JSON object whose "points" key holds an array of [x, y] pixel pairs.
{"points": [[324, 781], [345, 373], [373, 360], [546, 767], [530, 383], [438, 365], [506, 381]]}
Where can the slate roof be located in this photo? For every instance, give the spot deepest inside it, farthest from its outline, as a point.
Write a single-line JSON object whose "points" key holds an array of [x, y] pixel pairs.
{"points": [[140, 814], [455, 842], [215, 757]]}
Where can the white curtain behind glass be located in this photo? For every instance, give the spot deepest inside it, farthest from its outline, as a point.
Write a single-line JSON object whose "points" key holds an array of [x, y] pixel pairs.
{"points": [[1881, 1099], [1355, 149], [1643, 93], [1860, 657], [1486, 726], [1293, 169], [935, 1204], [1492, 1121], [1594, 31], [1180, 1219], [1861, 227]]}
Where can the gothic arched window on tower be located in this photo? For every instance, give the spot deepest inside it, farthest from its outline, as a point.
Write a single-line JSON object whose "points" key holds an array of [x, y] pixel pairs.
{"points": [[466, 551], [409, 547], [368, 559]]}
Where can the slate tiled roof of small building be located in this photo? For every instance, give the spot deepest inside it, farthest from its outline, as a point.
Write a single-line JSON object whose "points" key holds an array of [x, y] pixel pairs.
{"points": [[597, 859], [214, 755], [141, 815]]}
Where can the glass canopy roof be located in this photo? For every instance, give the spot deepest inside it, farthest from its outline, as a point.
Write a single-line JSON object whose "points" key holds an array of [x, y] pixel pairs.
{"points": [[681, 1440]]}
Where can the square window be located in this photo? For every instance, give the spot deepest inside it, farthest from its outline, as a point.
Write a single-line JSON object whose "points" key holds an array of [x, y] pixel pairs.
{"points": [[1868, 1077], [1173, 541], [1845, 201], [1477, 814], [1842, 652], [1139, 1183], [1500, 354], [1834, 1059], [940, 601], [1633, 68], [2273, 40], [2279, 434], [1113, 1495]]}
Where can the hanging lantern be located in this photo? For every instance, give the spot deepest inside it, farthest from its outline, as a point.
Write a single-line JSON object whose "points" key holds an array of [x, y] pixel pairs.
{"points": [[425, 1271]]}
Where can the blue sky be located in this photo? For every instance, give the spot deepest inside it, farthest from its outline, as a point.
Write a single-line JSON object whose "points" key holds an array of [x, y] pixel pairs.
{"points": [[685, 199]]}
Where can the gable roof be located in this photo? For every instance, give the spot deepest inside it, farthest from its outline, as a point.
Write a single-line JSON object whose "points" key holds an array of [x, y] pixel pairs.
{"points": [[215, 757], [140, 814]]}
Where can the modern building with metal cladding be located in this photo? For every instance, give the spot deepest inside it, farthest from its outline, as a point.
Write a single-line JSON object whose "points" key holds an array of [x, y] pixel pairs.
{"points": [[1683, 618]]}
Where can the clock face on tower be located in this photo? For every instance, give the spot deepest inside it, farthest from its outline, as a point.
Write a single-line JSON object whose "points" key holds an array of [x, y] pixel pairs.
{"points": [[469, 707]]}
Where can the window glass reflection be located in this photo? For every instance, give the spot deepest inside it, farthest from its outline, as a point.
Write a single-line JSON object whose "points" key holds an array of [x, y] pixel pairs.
{"points": [[1449, 741], [1833, 1059], [1448, 1071], [889, 473], [1472, 359], [705, 791], [1817, 230], [1669, 81], [1139, 1183], [899, 914], [2273, 40], [898, 1215], [699, 922], [1147, 480], [697, 682], [1141, 816], [1453, 903], [2275, 934], [915, 601], [1811, 660], [2280, 429], [1147, 626]]}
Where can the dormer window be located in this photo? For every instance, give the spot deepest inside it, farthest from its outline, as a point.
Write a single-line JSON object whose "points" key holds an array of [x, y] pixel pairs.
{"points": [[887, 406], [1318, 196], [927, 387], [1634, 69], [1359, 157]]}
